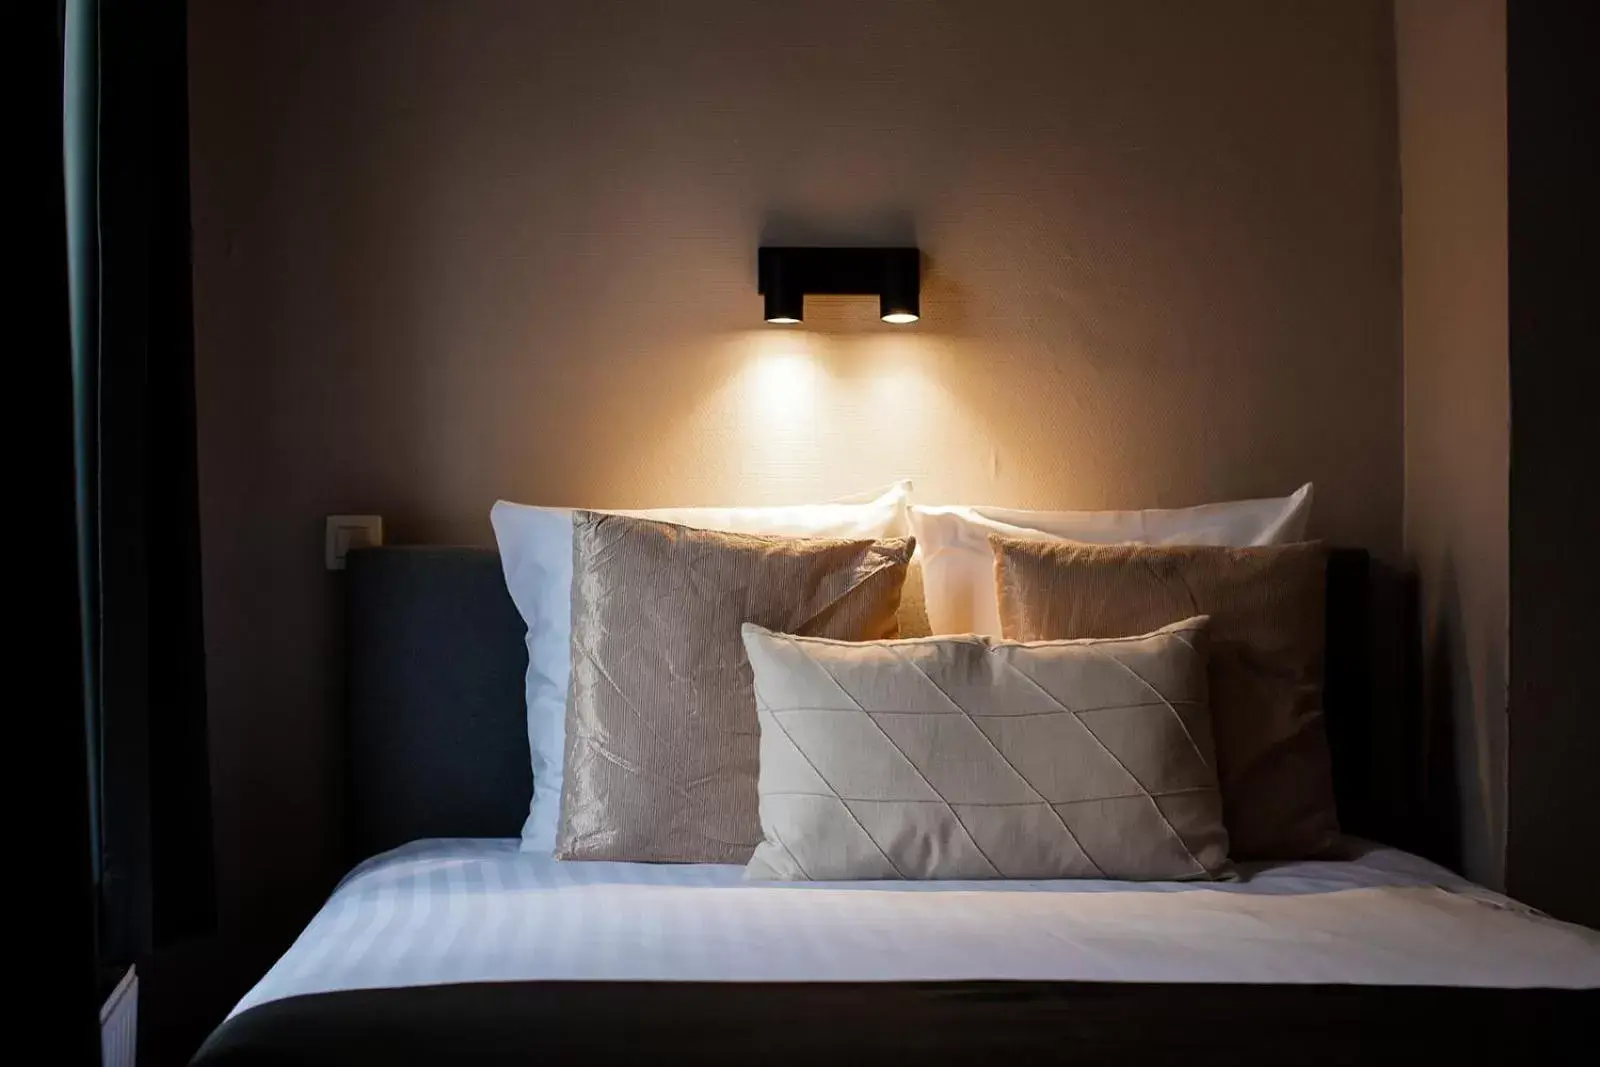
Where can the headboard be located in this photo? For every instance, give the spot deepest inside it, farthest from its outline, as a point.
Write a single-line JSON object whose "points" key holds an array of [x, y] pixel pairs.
{"points": [[436, 730], [436, 735]]}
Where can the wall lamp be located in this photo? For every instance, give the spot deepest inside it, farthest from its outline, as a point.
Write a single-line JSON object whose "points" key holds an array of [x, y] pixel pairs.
{"points": [[785, 275]]}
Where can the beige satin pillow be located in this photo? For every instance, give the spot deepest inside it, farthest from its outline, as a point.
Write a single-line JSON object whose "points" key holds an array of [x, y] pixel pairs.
{"points": [[1266, 609], [661, 736], [967, 757]]}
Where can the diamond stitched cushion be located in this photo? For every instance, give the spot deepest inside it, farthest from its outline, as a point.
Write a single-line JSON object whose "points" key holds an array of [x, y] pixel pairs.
{"points": [[967, 757]]}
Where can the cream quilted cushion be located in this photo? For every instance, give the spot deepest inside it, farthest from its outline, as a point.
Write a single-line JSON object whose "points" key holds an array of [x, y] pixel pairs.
{"points": [[968, 757]]}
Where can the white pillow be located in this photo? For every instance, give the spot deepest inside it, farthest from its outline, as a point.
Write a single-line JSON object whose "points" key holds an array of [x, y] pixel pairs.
{"points": [[536, 552], [958, 566]]}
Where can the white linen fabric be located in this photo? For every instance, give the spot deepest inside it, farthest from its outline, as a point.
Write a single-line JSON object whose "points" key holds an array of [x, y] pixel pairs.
{"points": [[472, 910], [536, 554], [958, 564]]}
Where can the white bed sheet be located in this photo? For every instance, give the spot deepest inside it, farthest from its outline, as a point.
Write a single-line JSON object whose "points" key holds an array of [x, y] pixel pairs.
{"points": [[470, 910]]}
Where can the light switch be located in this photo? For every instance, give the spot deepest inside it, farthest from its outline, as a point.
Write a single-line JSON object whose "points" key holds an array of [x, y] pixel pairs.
{"points": [[345, 532]]}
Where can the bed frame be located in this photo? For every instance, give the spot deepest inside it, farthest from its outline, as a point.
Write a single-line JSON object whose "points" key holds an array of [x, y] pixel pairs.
{"points": [[436, 728]]}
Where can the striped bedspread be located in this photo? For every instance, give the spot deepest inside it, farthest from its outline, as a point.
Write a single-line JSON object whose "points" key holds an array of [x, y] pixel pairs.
{"points": [[447, 911]]}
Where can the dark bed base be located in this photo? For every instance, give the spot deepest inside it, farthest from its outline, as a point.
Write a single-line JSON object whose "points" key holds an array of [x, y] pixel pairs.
{"points": [[925, 1023]]}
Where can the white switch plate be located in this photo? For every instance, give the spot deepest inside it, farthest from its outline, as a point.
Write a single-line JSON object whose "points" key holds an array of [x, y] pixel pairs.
{"points": [[350, 531]]}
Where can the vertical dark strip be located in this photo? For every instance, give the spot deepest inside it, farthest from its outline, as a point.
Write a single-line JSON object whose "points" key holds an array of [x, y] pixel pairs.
{"points": [[1554, 788], [122, 200], [156, 878], [50, 739], [79, 99], [180, 809]]}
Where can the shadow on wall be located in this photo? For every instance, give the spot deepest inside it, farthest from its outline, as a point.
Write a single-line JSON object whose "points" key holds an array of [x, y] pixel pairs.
{"points": [[1406, 757], [882, 226], [1419, 764], [1449, 760]]}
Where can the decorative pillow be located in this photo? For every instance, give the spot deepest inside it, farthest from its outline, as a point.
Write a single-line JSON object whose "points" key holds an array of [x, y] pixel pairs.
{"points": [[536, 552], [1266, 608], [958, 567], [964, 757], [661, 736]]}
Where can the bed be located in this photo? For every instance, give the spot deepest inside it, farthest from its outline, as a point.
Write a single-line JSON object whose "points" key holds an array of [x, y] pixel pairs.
{"points": [[450, 945]]}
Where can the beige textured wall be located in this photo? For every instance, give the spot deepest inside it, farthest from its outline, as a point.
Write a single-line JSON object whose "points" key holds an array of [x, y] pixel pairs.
{"points": [[446, 252], [1451, 82]]}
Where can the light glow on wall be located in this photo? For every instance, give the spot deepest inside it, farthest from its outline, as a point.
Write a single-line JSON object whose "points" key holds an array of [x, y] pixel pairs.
{"points": [[780, 382], [803, 415]]}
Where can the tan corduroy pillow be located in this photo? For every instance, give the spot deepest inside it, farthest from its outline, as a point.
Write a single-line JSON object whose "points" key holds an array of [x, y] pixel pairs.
{"points": [[1266, 609], [661, 735], [967, 757]]}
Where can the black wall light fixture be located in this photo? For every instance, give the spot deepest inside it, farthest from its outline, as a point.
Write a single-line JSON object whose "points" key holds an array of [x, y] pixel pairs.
{"points": [[785, 275]]}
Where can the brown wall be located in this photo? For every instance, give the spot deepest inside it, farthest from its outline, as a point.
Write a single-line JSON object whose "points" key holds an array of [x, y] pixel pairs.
{"points": [[1452, 105], [446, 252]]}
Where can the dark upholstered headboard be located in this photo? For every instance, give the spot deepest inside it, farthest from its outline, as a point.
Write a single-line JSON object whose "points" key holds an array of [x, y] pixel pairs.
{"points": [[437, 736]]}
